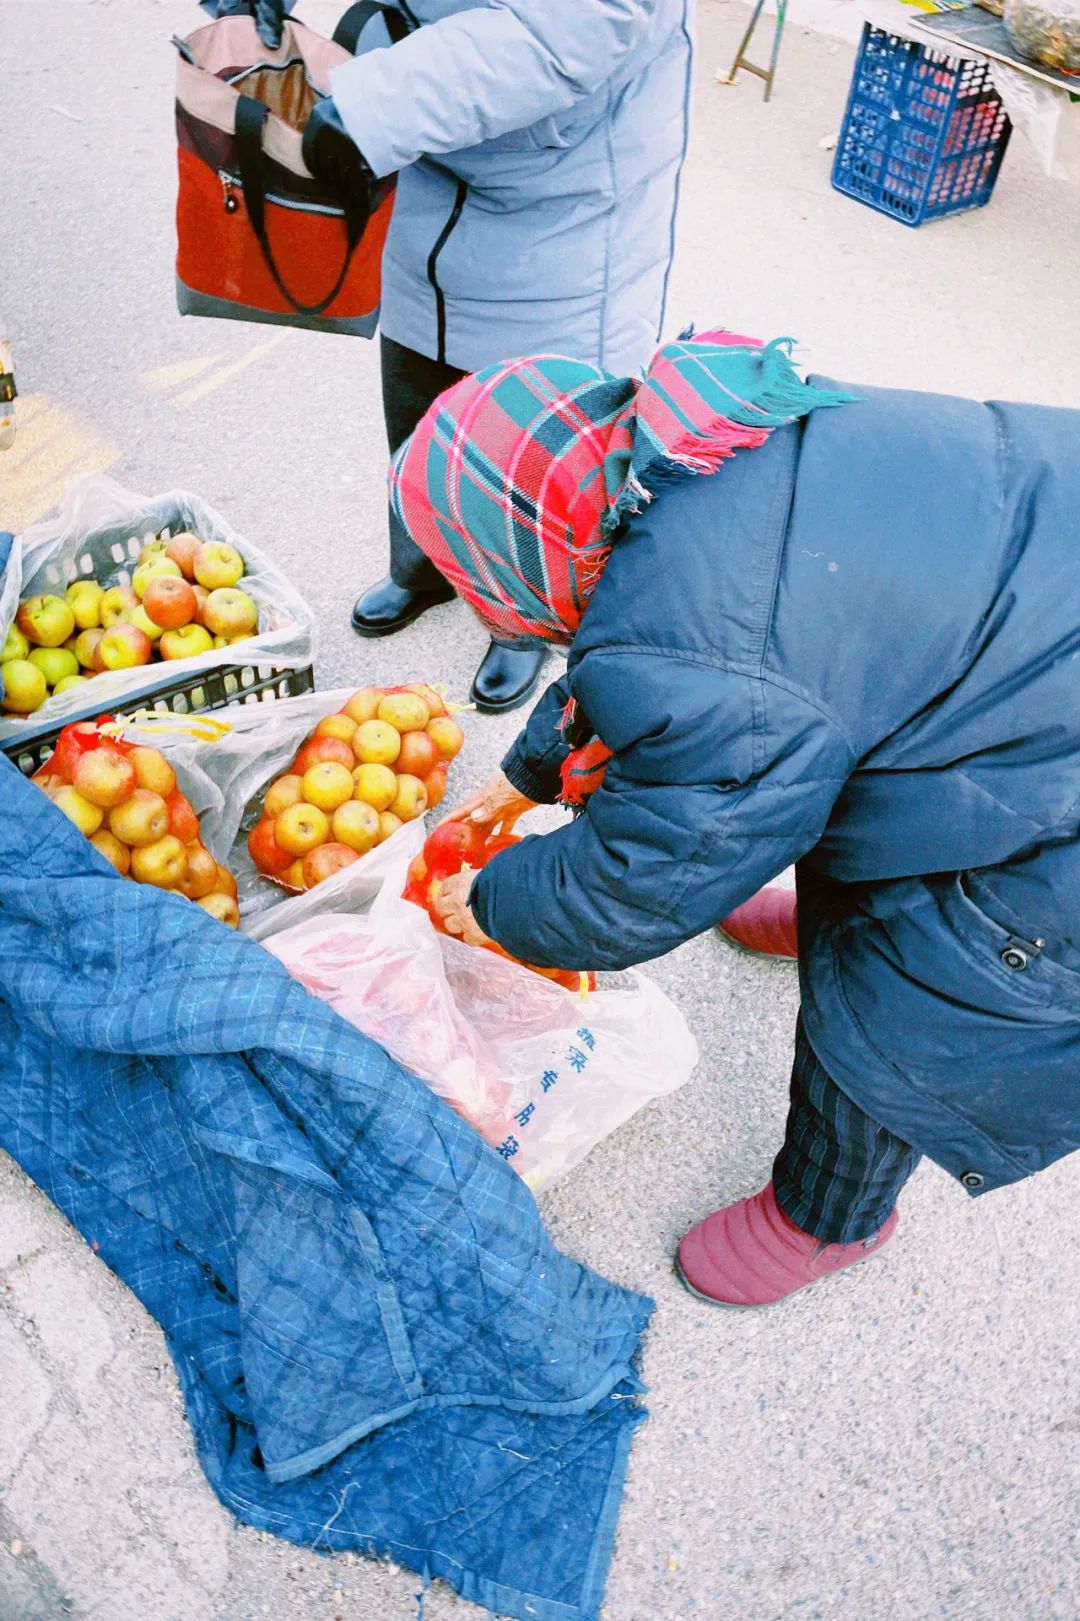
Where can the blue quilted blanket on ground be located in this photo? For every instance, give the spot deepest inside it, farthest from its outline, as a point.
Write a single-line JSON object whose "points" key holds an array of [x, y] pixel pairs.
{"points": [[378, 1346]]}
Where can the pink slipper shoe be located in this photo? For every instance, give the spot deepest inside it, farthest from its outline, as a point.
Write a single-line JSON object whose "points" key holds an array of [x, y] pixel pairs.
{"points": [[765, 924], [751, 1254]]}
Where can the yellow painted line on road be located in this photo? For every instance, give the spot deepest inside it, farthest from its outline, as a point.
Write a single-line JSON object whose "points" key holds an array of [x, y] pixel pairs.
{"points": [[181, 371], [225, 374], [51, 447]]}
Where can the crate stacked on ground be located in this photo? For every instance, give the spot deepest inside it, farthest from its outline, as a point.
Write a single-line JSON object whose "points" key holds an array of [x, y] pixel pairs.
{"points": [[924, 133], [99, 536]]}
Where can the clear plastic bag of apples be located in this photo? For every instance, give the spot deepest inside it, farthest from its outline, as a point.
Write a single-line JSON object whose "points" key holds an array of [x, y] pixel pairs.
{"points": [[377, 763]]}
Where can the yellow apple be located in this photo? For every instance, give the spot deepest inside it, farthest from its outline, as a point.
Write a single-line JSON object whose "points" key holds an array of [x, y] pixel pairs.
{"points": [[45, 621], [153, 771], [86, 646], [327, 785], [294, 874], [364, 704], [83, 597], [162, 568], [405, 711], [141, 820], [123, 647], [163, 863], [68, 683], [87, 818], [117, 605], [142, 621], [300, 828], [447, 736], [376, 743], [281, 794], [376, 785], [357, 825], [105, 777], [388, 825], [223, 907], [217, 565], [54, 663], [154, 549], [186, 642], [202, 874], [340, 726], [111, 848], [15, 645], [25, 687], [231, 613], [410, 800]]}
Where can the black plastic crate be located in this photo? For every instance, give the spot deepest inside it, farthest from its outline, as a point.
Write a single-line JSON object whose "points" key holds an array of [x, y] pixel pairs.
{"points": [[190, 695], [924, 133]]}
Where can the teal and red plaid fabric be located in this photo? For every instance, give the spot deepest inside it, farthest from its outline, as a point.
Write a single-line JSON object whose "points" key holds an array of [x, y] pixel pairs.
{"points": [[516, 480]]}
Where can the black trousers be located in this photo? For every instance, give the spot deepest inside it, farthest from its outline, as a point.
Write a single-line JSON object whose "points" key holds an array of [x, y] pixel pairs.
{"points": [[410, 382]]}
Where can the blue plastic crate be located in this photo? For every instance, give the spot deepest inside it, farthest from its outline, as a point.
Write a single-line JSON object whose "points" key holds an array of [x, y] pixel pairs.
{"points": [[924, 133]]}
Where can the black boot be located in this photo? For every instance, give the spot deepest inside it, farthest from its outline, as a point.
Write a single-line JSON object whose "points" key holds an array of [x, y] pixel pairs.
{"points": [[506, 677], [388, 607]]}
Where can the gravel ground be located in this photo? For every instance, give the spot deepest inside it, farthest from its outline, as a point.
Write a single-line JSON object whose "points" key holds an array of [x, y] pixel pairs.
{"points": [[899, 1442]]}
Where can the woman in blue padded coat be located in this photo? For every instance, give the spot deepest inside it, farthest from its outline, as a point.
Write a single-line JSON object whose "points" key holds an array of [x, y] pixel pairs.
{"points": [[538, 145], [856, 648]]}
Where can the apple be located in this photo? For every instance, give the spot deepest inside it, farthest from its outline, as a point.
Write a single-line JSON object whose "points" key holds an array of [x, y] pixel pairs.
{"points": [[45, 621], [434, 701], [124, 646], [54, 663], [341, 726], [226, 883], [154, 549], [153, 771], [217, 565], [163, 863], [325, 862], [447, 735], [376, 743], [170, 603], [183, 822], [141, 820], [86, 645], [105, 777], [118, 603], [202, 873], [223, 907], [281, 794], [182, 548], [265, 851], [327, 785], [318, 749], [201, 594], [161, 568], [293, 875], [419, 754], [83, 597], [364, 704], [388, 825], [110, 847], [355, 824], [15, 645], [142, 621], [300, 828], [231, 613], [435, 783], [68, 682], [25, 687], [376, 785], [87, 818], [410, 800], [186, 642], [404, 711]]}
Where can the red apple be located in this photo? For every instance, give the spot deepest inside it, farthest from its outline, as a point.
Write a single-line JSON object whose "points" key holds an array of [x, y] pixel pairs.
{"points": [[317, 749], [435, 783], [183, 822], [123, 646], [181, 549], [169, 603], [265, 851], [419, 754], [105, 777], [325, 861]]}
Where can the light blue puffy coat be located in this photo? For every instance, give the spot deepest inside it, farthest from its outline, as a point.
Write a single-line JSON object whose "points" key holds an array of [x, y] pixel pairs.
{"points": [[539, 144]]}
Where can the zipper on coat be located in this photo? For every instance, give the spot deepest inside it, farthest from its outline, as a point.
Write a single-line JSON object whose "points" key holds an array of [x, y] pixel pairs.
{"points": [[432, 269]]}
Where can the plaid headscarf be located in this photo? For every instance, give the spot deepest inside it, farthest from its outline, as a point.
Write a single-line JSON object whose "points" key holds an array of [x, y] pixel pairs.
{"points": [[516, 480]]}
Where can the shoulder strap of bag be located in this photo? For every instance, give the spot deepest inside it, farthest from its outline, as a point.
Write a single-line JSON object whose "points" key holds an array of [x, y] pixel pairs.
{"points": [[348, 31], [251, 115]]}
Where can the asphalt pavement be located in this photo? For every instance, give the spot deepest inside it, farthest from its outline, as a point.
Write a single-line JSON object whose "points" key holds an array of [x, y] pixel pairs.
{"points": [[899, 1442]]}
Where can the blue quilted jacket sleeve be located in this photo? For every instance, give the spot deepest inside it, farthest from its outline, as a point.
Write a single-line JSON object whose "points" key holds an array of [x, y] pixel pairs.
{"points": [[720, 779], [534, 763], [482, 72]]}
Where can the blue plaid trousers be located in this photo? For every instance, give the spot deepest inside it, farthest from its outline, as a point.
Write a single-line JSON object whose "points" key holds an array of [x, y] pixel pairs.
{"points": [[839, 1173]]}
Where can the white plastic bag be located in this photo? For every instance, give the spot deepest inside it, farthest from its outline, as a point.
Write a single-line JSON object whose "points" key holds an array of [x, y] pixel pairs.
{"points": [[541, 1072], [224, 761], [98, 534]]}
